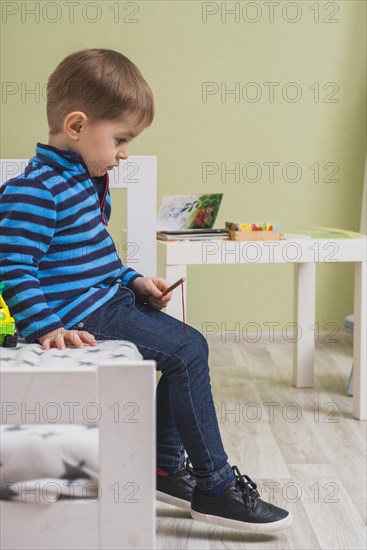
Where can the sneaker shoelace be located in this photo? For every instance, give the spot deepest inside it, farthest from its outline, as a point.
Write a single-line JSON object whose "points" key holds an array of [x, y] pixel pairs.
{"points": [[188, 468], [247, 487]]}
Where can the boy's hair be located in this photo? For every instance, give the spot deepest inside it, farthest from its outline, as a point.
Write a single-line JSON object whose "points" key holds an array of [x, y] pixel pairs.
{"points": [[104, 84]]}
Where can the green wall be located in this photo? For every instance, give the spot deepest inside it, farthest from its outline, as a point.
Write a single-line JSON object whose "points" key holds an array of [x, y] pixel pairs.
{"points": [[183, 47]]}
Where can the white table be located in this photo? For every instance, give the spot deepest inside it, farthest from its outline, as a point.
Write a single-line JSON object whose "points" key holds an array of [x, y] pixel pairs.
{"points": [[324, 245]]}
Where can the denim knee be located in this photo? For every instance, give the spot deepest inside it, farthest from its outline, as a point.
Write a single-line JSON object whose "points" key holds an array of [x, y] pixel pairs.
{"points": [[199, 342], [189, 353]]}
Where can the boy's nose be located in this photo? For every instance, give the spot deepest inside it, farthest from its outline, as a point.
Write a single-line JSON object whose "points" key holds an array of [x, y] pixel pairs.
{"points": [[123, 153]]}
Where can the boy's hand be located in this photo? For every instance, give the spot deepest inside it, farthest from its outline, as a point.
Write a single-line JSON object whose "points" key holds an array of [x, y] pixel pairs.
{"points": [[150, 289], [61, 338]]}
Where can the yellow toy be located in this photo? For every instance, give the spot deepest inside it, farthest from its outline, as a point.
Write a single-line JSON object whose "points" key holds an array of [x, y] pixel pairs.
{"points": [[8, 333]]}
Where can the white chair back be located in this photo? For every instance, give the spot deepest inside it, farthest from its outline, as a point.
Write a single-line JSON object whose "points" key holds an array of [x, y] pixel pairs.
{"points": [[138, 175]]}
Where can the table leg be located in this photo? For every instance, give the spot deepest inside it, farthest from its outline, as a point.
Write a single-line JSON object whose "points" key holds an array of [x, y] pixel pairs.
{"points": [[173, 273], [359, 342], [304, 317]]}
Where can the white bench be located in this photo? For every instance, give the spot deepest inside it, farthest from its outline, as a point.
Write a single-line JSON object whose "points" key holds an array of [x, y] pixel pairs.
{"points": [[118, 391]]}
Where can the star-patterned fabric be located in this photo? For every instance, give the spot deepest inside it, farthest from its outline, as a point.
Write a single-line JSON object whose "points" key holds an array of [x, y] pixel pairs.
{"points": [[43, 463]]}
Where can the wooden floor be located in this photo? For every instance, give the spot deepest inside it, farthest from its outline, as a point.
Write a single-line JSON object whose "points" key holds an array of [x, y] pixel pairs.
{"points": [[302, 448]]}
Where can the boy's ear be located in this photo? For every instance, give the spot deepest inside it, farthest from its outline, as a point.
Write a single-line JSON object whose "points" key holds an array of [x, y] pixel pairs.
{"points": [[74, 123]]}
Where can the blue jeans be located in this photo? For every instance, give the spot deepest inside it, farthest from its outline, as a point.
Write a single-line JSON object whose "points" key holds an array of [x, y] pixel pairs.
{"points": [[186, 418]]}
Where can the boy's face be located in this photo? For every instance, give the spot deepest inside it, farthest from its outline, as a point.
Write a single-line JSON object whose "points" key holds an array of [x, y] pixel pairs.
{"points": [[103, 144]]}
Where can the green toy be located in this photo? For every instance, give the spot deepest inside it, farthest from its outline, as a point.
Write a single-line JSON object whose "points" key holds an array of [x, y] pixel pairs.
{"points": [[8, 332]]}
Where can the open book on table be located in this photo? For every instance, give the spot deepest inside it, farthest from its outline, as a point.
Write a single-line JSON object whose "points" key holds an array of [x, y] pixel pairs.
{"points": [[189, 217]]}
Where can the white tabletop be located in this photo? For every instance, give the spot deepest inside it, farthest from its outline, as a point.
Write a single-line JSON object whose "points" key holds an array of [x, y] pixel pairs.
{"points": [[312, 244]]}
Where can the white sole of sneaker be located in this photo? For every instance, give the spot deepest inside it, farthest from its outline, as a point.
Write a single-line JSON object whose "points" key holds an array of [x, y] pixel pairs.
{"points": [[242, 525], [174, 501]]}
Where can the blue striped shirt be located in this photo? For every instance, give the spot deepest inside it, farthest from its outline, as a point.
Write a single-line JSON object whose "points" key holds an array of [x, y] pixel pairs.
{"points": [[58, 261]]}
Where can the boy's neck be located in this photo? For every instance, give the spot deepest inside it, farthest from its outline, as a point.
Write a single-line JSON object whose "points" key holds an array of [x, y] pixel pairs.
{"points": [[59, 141]]}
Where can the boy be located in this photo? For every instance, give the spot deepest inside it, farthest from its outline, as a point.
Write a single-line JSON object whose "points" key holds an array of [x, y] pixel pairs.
{"points": [[65, 283]]}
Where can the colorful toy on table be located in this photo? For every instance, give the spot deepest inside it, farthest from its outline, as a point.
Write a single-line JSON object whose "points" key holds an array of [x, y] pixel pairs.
{"points": [[254, 231], [8, 332], [252, 226]]}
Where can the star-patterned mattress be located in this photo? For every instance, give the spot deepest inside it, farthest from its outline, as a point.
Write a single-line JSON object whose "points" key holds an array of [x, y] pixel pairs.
{"points": [[43, 463]]}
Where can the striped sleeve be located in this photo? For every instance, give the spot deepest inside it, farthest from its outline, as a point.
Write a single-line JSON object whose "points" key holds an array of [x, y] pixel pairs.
{"points": [[27, 225], [128, 274]]}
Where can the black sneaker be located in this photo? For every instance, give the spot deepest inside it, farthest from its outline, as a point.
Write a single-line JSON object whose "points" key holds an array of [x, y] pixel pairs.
{"points": [[239, 508], [177, 489]]}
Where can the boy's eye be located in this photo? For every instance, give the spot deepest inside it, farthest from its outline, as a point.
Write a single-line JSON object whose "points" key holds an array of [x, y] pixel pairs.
{"points": [[119, 141]]}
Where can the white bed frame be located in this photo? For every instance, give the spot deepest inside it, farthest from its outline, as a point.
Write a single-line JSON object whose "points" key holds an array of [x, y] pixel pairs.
{"points": [[123, 516]]}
